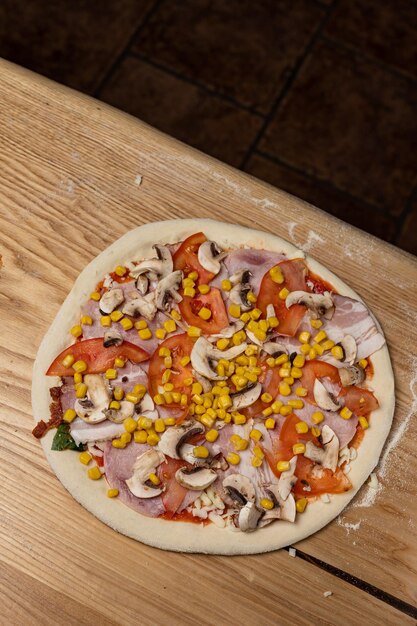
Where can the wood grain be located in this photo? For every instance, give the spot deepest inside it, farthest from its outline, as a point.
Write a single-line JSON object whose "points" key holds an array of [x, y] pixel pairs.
{"points": [[68, 188]]}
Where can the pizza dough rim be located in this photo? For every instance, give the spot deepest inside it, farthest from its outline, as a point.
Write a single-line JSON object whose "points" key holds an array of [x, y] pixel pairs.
{"points": [[185, 536]]}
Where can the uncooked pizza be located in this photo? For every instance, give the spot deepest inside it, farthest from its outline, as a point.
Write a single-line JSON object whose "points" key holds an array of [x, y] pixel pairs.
{"points": [[209, 388]]}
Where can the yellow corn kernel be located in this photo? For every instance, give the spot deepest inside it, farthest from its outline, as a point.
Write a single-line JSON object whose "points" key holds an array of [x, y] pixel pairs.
{"points": [[299, 361], [168, 362], [234, 310], [251, 297], [233, 458], [76, 331], [296, 404], [321, 336], [78, 378], [69, 415], [188, 282], [301, 504], [255, 314], [153, 439], [80, 390], [305, 348], [234, 438], [200, 452], [301, 392], [163, 352], [126, 323], [105, 320], [95, 295], [154, 479], [169, 421], [86, 320], [119, 362], [112, 493], [168, 397], [141, 324], [226, 285], [315, 431], [211, 435], [114, 404], [285, 370], [207, 403], [222, 344], [225, 402], [126, 437], [160, 333], [345, 413], [260, 334], [317, 417], [301, 428], [263, 325], [145, 334], [299, 448], [241, 445], [117, 443], [273, 321], [193, 331], [252, 361], [258, 452], [289, 380], [312, 354], [252, 377], [318, 348], [118, 393], [267, 504], [170, 326], [316, 323], [193, 275], [276, 405], [252, 326], [296, 372], [270, 423], [364, 423], [304, 337], [203, 289], [240, 371], [197, 388], [175, 314], [165, 377], [197, 399], [189, 292], [120, 270], [284, 389], [267, 412], [183, 399], [285, 410], [256, 462], [255, 434], [116, 316], [281, 359], [283, 294], [363, 363], [207, 420], [266, 397], [140, 436], [239, 338], [139, 390], [199, 409], [94, 473], [79, 366], [238, 419], [132, 397], [184, 361], [68, 360], [130, 424], [276, 274], [228, 418], [283, 466]]}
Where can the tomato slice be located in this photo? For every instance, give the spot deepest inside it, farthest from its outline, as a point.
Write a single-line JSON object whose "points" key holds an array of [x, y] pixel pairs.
{"points": [[359, 401], [180, 346], [294, 279], [97, 357], [186, 258], [317, 369], [213, 300], [270, 379], [174, 493]]}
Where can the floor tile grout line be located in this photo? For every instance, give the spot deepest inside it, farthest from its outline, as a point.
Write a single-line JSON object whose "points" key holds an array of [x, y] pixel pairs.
{"points": [[196, 83], [351, 49], [376, 592], [124, 53], [288, 84], [324, 183], [406, 212]]}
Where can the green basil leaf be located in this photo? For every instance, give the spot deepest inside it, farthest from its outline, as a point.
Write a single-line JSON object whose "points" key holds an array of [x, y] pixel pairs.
{"points": [[63, 440]]}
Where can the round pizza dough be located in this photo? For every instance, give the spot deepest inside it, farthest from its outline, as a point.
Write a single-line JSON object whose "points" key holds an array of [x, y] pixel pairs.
{"points": [[185, 536]]}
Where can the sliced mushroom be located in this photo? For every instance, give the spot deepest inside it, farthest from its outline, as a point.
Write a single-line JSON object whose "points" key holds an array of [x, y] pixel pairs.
{"points": [[141, 305], [167, 289], [161, 266], [204, 382], [112, 338], [350, 349], [239, 293], [146, 404], [351, 375], [328, 455], [110, 300], [287, 479], [173, 438], [317, 303], [246, 397], [196, 479], [209, 256], [142, 284], [240, 488], [204, 355], [119, 415], [187, 454], [274, 348], [286, 507], [249, 517], [92, 408], [229, 331], [323, 398], [146, 464]]}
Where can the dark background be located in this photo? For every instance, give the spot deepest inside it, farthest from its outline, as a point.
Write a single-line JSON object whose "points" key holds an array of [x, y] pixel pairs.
{"points": [[314, 96]]}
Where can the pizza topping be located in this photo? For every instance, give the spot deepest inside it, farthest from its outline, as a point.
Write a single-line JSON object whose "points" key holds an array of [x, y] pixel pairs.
{"points": [[246, 396], [287, 509], [249, 517], [228, 331], [319, 305], [167, 290], [327, 456], [92, 407], [173, 439], [204, 356], [209, 256], [287, 479], [118, 415], [144, 483], [274, 348], [142, 284], [239, 488], [161, 266], [350, 350], [196, 478], [140, 305], [112, 337], [110, 300], [351, 375], [324, 398], [241, 290]]}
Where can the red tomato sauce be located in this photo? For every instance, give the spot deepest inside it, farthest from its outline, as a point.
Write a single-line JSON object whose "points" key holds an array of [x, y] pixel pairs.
{"points": [[320, 285], [184, 516]]}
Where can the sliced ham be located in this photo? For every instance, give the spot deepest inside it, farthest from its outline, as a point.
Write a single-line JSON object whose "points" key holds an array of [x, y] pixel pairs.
{"points": [[258, 262], [129, 376], [67, 393], [344, 429], [118, 466]]}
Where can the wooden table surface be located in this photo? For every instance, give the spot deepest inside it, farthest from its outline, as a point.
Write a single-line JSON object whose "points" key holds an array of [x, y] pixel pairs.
{"points": [[75, 175]]}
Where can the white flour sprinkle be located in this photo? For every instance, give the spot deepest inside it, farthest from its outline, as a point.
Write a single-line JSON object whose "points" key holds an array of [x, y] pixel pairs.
{"points": [[312, 237], [347, 525], [327, 594], [138, 180]]}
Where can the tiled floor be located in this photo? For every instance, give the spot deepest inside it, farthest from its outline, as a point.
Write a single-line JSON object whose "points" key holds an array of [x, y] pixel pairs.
{"points": [[317, 97]]}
